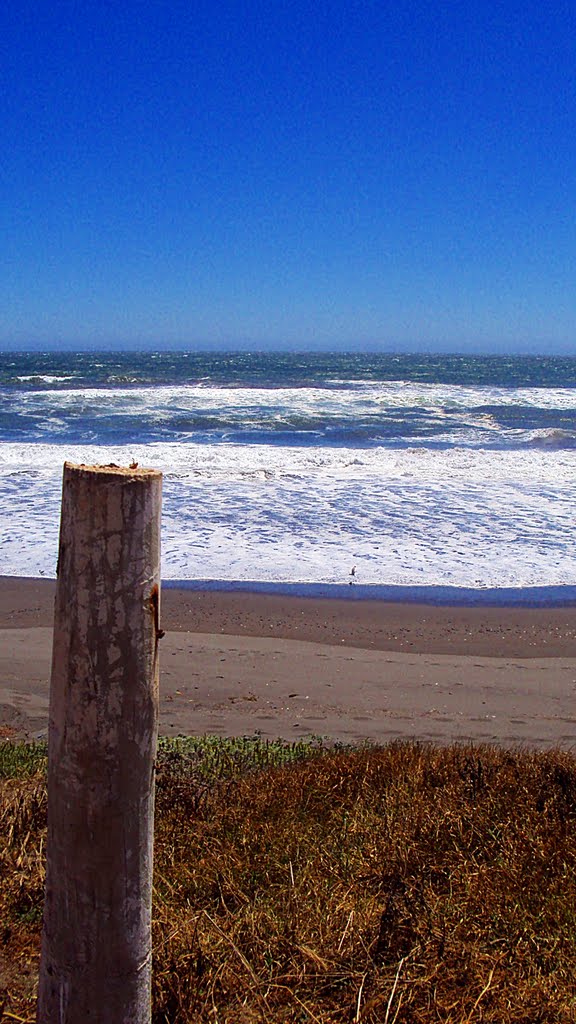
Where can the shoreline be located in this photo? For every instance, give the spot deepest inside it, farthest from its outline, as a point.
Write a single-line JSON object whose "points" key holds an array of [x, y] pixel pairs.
{"points": [[398, 626], [282, 666], [434, 595], [552, 596]]}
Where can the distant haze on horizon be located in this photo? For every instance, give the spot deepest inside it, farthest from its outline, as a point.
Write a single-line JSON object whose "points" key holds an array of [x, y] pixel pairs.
{"points": [[372, 177]]}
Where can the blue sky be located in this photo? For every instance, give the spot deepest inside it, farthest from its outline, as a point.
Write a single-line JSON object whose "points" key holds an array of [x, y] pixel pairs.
{"points": [[360, 174]]}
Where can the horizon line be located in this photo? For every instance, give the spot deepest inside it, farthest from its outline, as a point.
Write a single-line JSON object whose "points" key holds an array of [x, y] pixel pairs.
{"points": [[288, 350]]}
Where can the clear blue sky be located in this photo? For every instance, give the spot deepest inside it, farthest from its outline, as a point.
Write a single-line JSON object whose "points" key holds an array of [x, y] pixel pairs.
{"points": [[347, 174]]}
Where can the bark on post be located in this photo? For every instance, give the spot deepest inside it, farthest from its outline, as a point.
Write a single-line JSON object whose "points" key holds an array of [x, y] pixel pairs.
{"points": [[96, 944]]}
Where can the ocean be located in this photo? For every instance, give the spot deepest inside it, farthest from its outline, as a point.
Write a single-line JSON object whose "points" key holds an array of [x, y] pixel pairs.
{"points": [[356, 474]]}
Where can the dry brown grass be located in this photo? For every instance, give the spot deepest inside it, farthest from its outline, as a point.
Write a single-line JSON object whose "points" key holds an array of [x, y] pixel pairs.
{"points": [[403, 884]]}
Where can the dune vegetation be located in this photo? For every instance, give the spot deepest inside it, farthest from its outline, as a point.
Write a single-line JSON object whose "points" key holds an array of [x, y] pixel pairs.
{"points": [[405, 884]]}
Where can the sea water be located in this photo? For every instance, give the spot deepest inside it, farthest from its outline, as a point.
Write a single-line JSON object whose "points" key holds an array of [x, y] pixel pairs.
{"points": [[352, 471]]}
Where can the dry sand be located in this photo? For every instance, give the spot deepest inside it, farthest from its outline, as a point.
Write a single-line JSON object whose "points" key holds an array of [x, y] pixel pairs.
{"points": [[236, 664]]}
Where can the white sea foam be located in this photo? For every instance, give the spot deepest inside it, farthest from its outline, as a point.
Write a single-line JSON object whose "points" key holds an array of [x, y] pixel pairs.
{"points": [[391, 413], [392, 394], [46, 378], [245, 512]]}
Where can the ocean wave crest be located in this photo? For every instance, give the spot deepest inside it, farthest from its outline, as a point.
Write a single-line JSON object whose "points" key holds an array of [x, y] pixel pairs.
{"points": [[553, 437]]}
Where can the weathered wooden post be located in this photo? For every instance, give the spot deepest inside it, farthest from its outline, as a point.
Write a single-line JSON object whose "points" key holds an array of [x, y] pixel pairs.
{"points": [[96, 945]]}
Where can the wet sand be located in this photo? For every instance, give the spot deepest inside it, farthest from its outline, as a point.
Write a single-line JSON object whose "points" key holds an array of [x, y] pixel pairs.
{"points": [[240, 664]]}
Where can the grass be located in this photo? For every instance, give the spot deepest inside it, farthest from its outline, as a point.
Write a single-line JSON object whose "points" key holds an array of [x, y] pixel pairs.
{"points": [[22, 760], [405, 884]]}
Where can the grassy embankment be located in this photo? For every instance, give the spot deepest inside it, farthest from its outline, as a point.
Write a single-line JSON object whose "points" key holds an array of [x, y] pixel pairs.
{"points": [[402, 884]]}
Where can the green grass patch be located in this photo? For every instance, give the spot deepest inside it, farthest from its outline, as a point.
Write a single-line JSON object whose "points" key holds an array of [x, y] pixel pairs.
{"points": [[21, 760]]}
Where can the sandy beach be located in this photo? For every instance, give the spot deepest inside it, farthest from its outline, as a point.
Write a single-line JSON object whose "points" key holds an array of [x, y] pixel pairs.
{"points": [[290, 667]]}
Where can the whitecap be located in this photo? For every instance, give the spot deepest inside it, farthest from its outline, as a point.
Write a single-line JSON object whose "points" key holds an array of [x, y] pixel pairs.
{"points": [[47, 378]]}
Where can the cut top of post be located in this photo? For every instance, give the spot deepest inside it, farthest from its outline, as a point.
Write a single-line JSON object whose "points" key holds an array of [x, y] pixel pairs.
{"points": [[133, 470]]}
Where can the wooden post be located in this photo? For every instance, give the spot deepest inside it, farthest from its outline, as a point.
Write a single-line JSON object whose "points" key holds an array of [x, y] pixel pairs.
{"points": [[96, 944]]}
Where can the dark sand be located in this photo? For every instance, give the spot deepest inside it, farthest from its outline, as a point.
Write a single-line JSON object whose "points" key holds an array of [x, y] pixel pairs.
{"points": [[236, 664]]}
